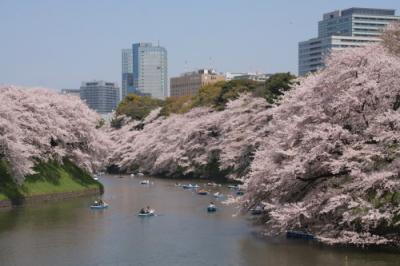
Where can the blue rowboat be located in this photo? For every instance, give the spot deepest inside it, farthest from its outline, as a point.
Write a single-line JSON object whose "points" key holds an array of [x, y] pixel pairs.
{"points": [[240, 192], [299, 235]]}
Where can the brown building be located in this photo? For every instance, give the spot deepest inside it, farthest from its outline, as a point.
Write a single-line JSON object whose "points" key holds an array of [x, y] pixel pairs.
{"points": [[189, 83]]}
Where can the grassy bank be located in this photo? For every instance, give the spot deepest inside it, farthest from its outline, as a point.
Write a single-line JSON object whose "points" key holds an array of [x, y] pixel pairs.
{"points": [[50, 177]]}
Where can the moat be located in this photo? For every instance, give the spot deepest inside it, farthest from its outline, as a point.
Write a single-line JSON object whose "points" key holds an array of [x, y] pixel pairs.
{"points": [[182, 232]]}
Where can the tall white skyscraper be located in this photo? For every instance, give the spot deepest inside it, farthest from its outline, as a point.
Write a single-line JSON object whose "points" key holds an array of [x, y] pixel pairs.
{"points": [[150, 70]]}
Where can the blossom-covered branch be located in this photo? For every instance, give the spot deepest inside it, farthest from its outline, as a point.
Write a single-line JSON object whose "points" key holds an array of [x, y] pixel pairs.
{"points": [[40, 125]]}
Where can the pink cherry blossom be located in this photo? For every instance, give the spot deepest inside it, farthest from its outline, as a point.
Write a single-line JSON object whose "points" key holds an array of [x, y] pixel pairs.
{"points": [[40, 125]]}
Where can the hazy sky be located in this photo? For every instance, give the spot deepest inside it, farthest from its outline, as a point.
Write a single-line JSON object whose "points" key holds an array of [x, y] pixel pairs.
{"points": [[58, 44]]}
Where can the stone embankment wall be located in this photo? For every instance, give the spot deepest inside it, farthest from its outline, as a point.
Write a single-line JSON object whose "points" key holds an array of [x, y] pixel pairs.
{"points": [[53, 197]]}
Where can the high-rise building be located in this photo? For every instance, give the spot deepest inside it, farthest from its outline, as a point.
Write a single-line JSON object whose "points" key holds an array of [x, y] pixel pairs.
{"points": [[342, 29], [127, 72], [189, 83], [101, 96], [150, 70]]}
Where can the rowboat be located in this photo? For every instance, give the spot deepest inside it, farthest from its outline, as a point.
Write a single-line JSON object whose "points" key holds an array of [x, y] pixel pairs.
{"points": [[211, 208], [99, 206], [202, 192], [147, 214], [299, 235]]}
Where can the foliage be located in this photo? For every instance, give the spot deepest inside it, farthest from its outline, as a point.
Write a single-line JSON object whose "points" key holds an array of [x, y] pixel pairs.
{"points": [[137, 107], [215, 95], [40, 125], [8, 188], [218, 94], [277, 85], [117, 122], [100, 123], [176, 105], [232, 90], [207, 94]]}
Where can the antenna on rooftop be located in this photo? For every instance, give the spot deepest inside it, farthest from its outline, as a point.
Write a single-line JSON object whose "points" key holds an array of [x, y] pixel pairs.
{"points": [[186, 66], [210, 63]]}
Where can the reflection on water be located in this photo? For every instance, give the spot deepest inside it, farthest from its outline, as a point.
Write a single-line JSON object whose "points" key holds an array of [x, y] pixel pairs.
{"points": [[183, 233]]}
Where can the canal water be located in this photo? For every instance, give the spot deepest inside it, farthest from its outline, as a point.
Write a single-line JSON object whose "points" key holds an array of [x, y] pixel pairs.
{"points": [[182, 233]]}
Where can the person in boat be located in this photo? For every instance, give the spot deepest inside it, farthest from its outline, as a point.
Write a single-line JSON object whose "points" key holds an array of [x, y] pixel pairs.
{"points": [[148, 209], [101, 203], [142, 211], [211, 207]]}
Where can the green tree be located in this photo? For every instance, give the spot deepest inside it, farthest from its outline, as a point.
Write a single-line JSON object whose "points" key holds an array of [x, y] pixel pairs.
{"points": [[218, 94], [207, 95], [137, 107], [277, 85], [176, 105], [232, 89]]}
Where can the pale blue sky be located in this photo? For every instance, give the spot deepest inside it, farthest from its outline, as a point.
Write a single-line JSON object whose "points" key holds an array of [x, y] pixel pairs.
{"points": [[58, 44]]}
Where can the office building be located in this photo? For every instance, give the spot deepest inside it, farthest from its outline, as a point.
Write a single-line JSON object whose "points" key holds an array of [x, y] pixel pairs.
{"points": [[127, 72], [150, 70], [232, 75], [259, 77], [189, 83], [341, 29], [101, 96]]}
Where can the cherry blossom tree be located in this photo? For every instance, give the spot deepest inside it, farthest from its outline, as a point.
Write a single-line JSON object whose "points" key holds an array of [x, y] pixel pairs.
{"points": [[326, 157], [40, 125], [391, 38], [330, 164], [186, 144]]}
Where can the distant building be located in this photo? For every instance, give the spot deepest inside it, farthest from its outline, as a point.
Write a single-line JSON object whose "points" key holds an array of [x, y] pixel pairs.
{"points": [[150, 70], [232, 75], [75, 92], [101, 96], [343, 29], [127, 72], [259, 77], [189, 83]]}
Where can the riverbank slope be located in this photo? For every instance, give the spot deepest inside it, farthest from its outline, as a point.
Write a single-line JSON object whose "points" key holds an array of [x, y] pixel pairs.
{"points": [[51, 181]]}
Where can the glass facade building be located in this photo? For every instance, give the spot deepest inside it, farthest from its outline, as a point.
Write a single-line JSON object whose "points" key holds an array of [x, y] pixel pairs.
{"points": [[150, 70], [100, 96], [341, 29], [127, 75]]}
